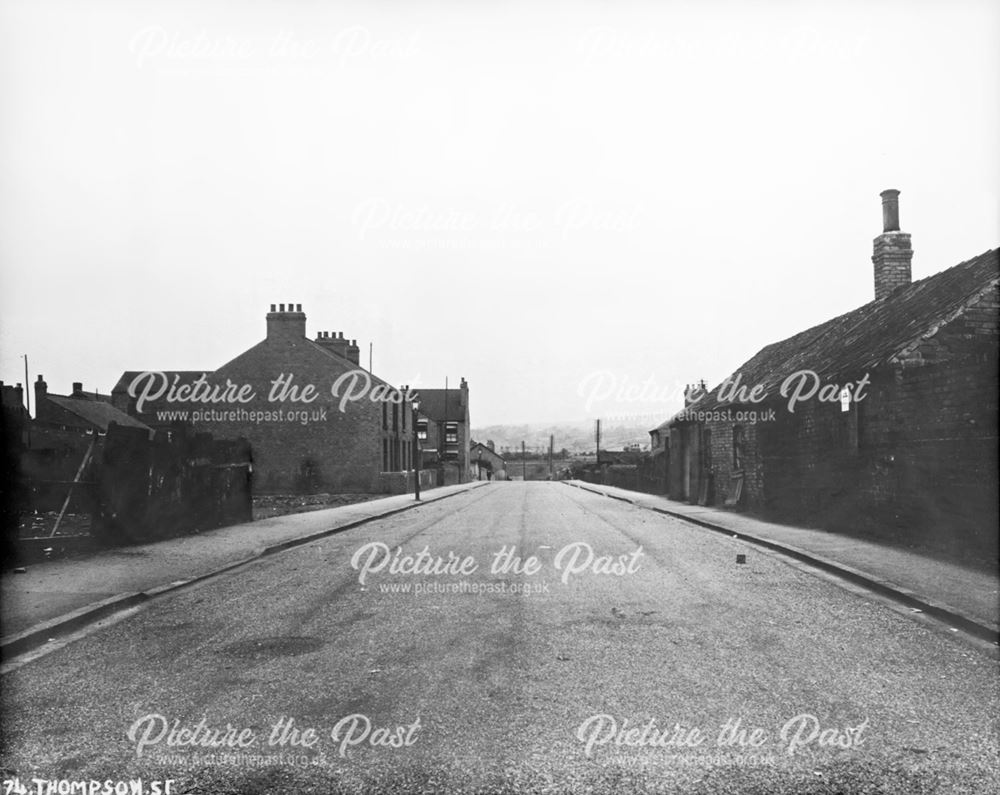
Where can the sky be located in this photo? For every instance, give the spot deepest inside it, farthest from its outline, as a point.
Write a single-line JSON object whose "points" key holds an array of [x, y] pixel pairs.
{"points": [[578, 207]]}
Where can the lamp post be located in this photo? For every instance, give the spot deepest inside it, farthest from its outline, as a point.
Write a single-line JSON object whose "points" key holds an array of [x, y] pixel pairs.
{"points": [[416, 451]]}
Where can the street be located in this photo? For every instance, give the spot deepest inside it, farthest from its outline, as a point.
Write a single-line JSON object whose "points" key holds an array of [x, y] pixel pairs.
{"points": [[633, 654]]}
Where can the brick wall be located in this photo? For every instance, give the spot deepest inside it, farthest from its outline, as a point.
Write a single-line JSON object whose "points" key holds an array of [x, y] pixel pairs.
{"points": [[332, 450]]}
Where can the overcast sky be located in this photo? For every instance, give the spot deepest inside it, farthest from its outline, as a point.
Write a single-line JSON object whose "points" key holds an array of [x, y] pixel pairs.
{"points": [[553, 200]]}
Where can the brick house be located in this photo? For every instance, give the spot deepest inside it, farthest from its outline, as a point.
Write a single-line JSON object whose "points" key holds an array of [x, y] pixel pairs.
{"points": [[901, 422], [315, 419], [444, 430]]}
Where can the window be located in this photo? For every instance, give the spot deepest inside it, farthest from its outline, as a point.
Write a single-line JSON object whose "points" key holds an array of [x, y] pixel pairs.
{"points": [[385, 416], [385, 455], [395, 416], [422, 430], [739, 447], [451, 433]]}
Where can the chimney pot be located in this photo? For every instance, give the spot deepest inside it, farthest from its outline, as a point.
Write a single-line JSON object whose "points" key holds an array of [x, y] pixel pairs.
{"points": [[298, 307], [281, 307], [892, 253], [890, 210], [77, 387], [272, 307]]}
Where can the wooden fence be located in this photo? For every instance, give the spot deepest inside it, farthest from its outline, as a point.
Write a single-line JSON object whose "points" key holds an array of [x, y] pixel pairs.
{"points": [[174, 484]]}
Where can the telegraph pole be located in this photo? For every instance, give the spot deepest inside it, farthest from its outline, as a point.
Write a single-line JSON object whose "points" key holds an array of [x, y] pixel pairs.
{"points": [[552, 439], [598, 442], [27, 385], [524, 471]]}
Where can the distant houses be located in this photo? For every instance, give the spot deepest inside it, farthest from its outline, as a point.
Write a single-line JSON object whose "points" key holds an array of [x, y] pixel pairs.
{"points": [[78, 412], [487, 463], [890, 408]]}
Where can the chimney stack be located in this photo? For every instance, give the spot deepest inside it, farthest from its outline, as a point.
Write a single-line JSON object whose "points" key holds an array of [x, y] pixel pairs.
{"points": [[354, 352], [333, 341], [694, 392], [286, 325], [77, 389], [892, 252], [41, 390]]}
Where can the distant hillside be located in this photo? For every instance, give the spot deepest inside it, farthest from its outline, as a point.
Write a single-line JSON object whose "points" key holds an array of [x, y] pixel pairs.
{"points": [[576, 437]]}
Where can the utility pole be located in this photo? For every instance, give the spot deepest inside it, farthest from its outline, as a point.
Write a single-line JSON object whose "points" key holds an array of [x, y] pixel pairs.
{"points": [[552, 439], [524, 471], [27, 385], [598, 442], [370, 344]]}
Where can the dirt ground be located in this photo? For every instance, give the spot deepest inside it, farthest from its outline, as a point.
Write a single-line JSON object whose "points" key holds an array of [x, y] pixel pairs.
{"points": [[267, 505]]}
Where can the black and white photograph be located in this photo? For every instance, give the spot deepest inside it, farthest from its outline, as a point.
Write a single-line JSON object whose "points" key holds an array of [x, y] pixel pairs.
{"points": [[487, 397]]}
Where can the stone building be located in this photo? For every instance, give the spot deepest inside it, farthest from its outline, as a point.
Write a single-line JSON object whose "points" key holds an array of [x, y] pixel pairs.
{"points": [[316, 420], [890, 409], [486, 462]]}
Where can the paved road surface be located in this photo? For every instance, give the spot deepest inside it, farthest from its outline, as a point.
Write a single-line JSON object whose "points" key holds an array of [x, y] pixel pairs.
{"points": [[509, 687]]}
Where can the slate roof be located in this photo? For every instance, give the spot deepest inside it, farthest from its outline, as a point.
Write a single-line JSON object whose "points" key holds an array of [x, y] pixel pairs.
{"points": [[129, 375], [352, 365], [97, 412], [869, 337], [482, 447], [432, 404]]}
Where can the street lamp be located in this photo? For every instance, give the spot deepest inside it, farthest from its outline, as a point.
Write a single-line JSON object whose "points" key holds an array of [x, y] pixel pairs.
{"points": [[416, 450]]}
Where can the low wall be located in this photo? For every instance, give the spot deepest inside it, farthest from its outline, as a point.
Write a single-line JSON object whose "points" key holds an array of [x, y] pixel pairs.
{"points": [[402, 482]]}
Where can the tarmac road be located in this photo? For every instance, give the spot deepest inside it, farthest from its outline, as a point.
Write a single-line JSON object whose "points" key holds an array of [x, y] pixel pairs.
{"points": [[611, 668]]}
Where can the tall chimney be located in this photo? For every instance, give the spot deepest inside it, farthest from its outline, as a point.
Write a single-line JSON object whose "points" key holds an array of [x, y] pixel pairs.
{"points": [[286, 325], [892, 252]]}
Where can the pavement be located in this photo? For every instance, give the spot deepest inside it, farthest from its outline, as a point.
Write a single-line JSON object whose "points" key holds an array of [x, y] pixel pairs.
{"points": [[55, 596], [960, 595]]}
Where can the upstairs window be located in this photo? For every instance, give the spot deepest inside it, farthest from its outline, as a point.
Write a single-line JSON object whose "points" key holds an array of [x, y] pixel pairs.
{"points": [[451, 433], [422, 430]]}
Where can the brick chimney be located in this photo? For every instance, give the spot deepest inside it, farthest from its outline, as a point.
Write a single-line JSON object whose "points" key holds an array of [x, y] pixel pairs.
{"points": [[77, 389], [354, 352], [286, 323], [892, 251], [694, 392], [41, 390], [333, 341]]}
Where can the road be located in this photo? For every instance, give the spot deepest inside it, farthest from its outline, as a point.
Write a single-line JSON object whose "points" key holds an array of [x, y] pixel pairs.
{"points": [[616, 676]]}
